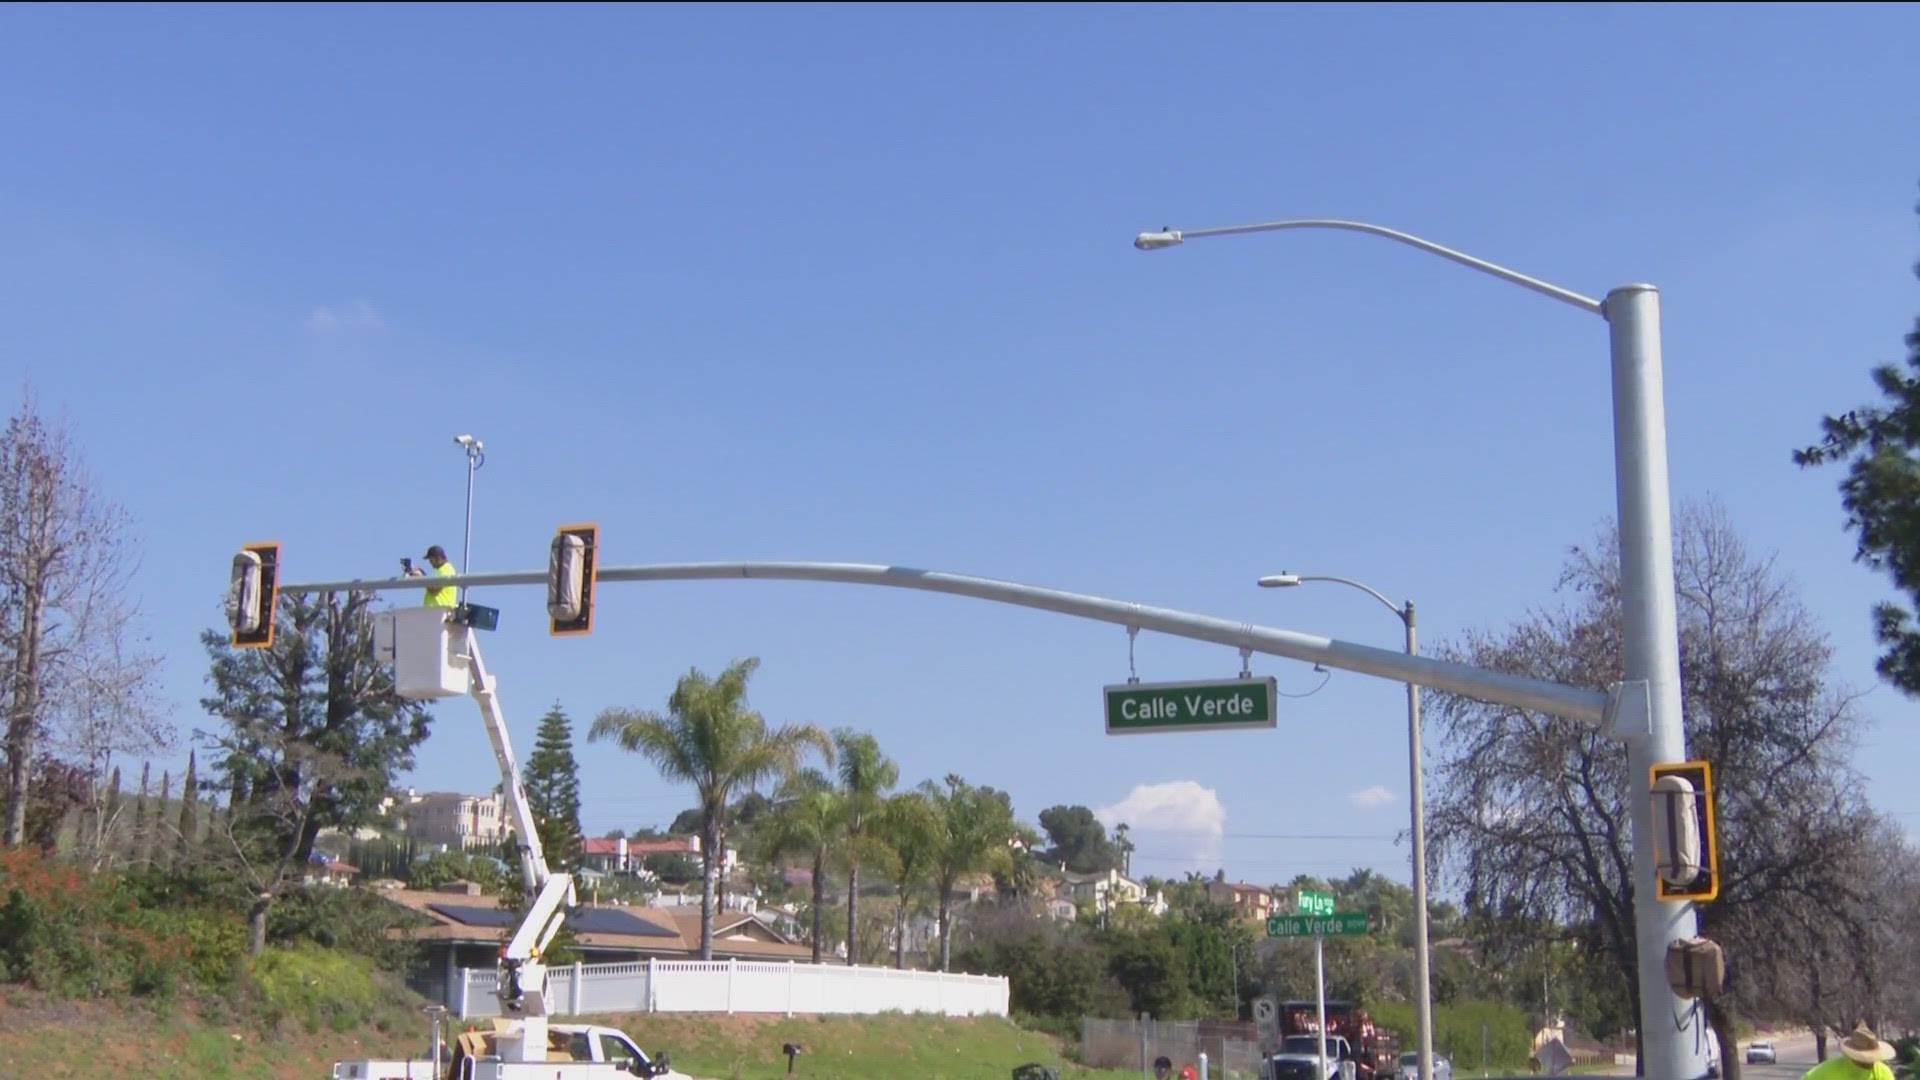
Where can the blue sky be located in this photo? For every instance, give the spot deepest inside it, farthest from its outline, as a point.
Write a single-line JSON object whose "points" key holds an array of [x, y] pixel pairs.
{"points": [[855, 284]]}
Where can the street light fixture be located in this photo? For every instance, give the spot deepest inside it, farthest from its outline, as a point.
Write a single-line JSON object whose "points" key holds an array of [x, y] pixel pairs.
{"points": [[1649, 717], [1423, 960]]}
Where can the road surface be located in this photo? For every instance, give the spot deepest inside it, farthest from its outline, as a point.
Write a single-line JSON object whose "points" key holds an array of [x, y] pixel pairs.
{"points": [[1796, 1057]]}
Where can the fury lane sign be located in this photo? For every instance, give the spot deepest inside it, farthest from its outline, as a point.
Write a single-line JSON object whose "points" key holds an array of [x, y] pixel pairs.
{"points": [[1215, 705]]}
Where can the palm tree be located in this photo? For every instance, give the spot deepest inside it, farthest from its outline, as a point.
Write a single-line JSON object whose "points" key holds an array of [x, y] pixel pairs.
{"points": [[1018, 878], [709, 738], [865, 776], [805, 821], [978, 825], [914, 832]]}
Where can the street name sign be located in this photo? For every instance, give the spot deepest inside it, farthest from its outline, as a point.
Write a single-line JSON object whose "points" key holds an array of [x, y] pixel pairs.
{"points": [[1345, 924], [1314, 903], [1213, 705]]}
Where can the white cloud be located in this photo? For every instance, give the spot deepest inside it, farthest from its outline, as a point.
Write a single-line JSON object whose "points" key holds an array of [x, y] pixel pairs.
{"points": [[345, 315], [1176, 826], [1370, 798]]}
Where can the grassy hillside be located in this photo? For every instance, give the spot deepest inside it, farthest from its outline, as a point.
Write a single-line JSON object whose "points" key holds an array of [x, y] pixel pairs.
{"points": [[50, 1039], [849, 1047]]}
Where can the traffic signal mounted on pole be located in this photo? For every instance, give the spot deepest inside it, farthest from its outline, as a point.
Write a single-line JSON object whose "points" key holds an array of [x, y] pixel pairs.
{"points": [[253, 595], [571, 574], [1686, 854]]}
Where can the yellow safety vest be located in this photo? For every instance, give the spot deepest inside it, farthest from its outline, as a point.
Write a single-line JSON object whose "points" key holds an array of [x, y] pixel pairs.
{"points": [[442, 597]]}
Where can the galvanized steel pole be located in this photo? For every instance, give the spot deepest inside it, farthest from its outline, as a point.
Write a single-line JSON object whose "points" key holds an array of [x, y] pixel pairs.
{"points": [[1650, 640], [1650, 634]]}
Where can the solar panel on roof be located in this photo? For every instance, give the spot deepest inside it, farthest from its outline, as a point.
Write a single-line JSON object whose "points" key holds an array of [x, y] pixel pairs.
{"points": [[476, 916], [614, 921], [586, 921]]}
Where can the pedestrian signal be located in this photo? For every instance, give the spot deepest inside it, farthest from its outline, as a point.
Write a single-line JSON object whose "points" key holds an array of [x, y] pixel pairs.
{"points": [[253, 595], [1686, 856], [571, 570]]}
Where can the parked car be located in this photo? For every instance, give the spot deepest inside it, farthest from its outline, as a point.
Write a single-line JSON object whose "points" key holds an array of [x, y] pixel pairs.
{"points": [[1409, 1067], [1761, 1051]]}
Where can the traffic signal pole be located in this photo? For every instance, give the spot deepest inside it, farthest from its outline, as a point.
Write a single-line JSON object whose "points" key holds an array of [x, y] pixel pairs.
{"points": [[1650, 640], [1649, 695]]}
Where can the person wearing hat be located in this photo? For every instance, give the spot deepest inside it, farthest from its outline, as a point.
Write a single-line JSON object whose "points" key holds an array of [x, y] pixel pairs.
{"points": [[1863, 1056], [442, 597]]}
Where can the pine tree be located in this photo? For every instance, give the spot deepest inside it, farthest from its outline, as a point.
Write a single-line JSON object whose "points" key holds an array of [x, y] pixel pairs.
{"points": [[189, 797], [139, 844], [1880, 445], [157, 848], [110, 813], [553, 789]]}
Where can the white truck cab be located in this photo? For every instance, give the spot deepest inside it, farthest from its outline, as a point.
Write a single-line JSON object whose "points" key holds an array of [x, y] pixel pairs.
{"points": [[1298, 1058], [574, 1052]]}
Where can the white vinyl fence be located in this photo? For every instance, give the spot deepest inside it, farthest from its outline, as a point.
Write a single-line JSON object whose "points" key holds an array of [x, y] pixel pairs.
{"points": [[733, 986]]}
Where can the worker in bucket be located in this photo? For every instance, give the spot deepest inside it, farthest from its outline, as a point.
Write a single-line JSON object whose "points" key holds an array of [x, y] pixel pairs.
{"points": [[442, 597]]}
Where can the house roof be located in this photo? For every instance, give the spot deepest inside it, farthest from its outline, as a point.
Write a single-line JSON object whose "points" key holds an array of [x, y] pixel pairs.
{"points": [[448, 797], [1240, 887], [672, 845], [734, 933], [639, 848], [1072, 878]]}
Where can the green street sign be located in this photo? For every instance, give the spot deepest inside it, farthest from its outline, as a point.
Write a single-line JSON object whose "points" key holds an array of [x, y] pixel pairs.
{"points": [[1214, 705], [1345, 924], [1315, 903]]}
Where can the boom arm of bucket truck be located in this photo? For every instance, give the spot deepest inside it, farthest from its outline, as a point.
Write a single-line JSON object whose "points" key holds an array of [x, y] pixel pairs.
{"points": [[433, 656]]}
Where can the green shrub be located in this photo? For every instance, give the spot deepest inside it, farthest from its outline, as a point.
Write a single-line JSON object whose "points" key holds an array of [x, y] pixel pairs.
{"points": [[81, 936], [354, 920], [1457, 1032], [1060, 1027], [216, 943], [314, 988]]}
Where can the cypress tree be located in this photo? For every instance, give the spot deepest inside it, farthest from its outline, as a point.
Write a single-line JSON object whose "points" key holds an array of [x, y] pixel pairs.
{"points": [[110, 815], [157, 847], [189, 799]]}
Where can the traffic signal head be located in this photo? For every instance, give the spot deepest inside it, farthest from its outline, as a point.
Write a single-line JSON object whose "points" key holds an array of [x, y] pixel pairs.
{"points": [[570, 578], [253, 595], [1686, 855]]}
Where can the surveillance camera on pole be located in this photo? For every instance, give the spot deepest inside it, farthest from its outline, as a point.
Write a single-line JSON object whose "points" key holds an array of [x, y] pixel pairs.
{"points": [[253, 595], [570, 580]]}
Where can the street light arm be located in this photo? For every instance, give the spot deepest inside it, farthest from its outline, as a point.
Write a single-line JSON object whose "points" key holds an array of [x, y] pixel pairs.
{"points": [[1368, 589], [1565, 296]]}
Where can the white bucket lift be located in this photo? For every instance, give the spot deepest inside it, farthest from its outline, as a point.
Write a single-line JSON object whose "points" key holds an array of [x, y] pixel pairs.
{"points": [[428, 652], [434, 657]]}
